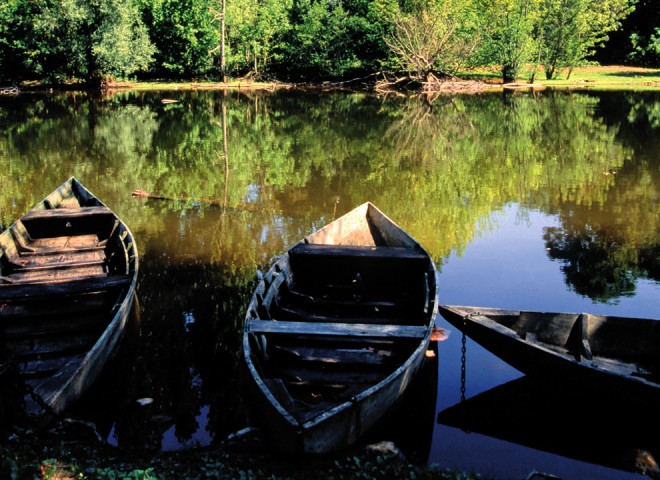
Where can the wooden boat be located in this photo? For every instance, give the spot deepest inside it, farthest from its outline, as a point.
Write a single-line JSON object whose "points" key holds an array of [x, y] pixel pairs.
{"points": [[615, 354], [68, 271], [336, 330]]}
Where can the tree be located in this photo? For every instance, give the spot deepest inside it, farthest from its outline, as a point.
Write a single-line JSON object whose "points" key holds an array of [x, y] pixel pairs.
{"points": [[185, 33], [256, 29], [434, 36], [221, 15], [508, 27], [332, 38], [120, 42], [60, 39], [570, 30], [645, 52]]}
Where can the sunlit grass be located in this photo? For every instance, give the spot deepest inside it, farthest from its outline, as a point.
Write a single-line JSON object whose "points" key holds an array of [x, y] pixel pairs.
{"points": [[616, 76]]}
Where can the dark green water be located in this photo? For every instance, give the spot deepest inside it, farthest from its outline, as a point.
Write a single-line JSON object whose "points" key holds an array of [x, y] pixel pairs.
{"points": [[546, 201]]}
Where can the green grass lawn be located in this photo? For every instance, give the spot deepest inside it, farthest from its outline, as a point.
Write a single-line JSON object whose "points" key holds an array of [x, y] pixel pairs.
{"points": [[593, 76]]}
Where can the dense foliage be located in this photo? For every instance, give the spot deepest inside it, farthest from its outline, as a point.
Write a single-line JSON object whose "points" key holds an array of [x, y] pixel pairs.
{"points": [[92, 40]]}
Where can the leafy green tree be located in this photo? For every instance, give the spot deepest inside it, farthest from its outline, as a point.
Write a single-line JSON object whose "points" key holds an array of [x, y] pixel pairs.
{"points": [[645, 52], [256, 29], [570, 30], [29, 39], [62, 39], [330, 38], [120, 42], [185, 35], [508, 28]]}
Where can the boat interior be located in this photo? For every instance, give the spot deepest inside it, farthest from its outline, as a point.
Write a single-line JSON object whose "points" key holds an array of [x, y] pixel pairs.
{"points": [[63, 269], [333, 320]]}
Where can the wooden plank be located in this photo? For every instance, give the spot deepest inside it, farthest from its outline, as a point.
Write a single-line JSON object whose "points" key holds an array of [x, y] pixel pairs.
{"points": [[48, 366], [61, 260], [357, 301], [68, 222], [335, 356], [78, 285], [280, 392], [312, 375], [355, 251], [54, 275], [551, 328], [338, 329], [62, 306], [49, 345], [297, 312], [67, 213], [408, 312], [64, 244], [92, 321]]}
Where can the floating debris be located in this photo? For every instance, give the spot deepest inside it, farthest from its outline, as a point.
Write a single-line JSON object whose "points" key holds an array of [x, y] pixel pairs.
{"points": [[143, 402]]}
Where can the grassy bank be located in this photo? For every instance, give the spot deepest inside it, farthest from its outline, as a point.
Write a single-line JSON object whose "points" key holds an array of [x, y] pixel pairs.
{"points": [[60, 453], [602, 77], [485, 78]]}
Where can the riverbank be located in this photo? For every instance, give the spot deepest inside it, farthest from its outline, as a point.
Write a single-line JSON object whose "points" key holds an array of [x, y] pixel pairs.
{"points": [[613, 76], [479, 80], [59, 453]]}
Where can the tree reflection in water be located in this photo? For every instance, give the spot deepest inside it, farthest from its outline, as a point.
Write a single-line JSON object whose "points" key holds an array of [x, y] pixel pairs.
{"points": [[289, 161]]}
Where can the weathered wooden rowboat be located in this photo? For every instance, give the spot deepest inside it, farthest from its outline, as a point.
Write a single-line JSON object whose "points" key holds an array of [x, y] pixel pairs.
{"points": [[68, 272], [591, 351], [336, 330]]}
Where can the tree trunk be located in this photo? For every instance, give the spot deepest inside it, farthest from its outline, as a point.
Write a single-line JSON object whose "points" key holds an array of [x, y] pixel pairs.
{"points": [[509, 73], [223, 65]]}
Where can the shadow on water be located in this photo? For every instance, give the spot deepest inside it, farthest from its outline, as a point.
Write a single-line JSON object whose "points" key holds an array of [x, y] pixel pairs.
{"points": [[409, 424], [123, 417], [612, 431], [176, 382]]}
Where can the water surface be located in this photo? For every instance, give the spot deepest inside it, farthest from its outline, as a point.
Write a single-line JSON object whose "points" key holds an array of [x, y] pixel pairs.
{"points": [[545, 201]]}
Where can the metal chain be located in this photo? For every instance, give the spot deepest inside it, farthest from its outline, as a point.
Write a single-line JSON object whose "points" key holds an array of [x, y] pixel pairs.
{"points": [[463, 369]]}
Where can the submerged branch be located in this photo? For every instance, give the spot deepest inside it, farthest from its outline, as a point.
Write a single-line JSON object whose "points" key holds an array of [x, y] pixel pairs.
{"points": [[208, 201]]}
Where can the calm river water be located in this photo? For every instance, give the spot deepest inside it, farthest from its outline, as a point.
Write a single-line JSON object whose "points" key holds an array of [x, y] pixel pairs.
{"points": [[546, 201]]}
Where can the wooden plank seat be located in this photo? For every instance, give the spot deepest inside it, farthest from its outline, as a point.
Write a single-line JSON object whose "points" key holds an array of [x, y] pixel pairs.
{"points": [[67, 213], [26, 245], [63, 222], [372, 315], [337, 329], [40, 346], [60, 306], [317, 267], [56, 274], [348, 357], [85, 258], [14, 291], [39, 327], [357, 251]]}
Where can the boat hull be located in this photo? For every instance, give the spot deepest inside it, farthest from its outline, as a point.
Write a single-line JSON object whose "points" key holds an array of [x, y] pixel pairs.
{"points": [[69, 273], [324, 369], [603, 354]]}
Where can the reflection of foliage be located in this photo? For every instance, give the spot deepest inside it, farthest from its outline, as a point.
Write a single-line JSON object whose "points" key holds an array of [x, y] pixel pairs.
{"points": [[605, 250], [308, 156], [295, 161], [594, 266], [645, 111]]}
